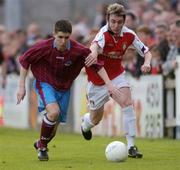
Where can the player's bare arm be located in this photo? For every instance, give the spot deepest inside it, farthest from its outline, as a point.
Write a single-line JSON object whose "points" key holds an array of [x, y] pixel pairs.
{"points": [[92, 57], [111, 88], [21, 87], [146, 67]]}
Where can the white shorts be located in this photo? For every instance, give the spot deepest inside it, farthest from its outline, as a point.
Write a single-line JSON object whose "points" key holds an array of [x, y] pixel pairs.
{"points": [[98, 95]]}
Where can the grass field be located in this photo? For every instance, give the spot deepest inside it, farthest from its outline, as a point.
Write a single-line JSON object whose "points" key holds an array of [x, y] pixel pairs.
{"points": [[72, 152]]}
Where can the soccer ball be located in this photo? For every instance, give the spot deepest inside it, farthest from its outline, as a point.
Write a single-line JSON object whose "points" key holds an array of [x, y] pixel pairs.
{"points": [[116, 151]]}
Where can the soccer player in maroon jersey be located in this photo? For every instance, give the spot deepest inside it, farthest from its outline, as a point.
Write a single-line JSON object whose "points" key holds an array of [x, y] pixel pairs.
{"points": [[108, 47], [55, 63]]}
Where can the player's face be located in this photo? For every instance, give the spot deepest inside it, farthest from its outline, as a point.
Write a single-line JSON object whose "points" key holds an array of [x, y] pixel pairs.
{"points": [[115, 23], [61, 40]]}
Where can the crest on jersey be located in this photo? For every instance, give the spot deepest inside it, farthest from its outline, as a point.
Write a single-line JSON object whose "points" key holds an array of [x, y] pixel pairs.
{"points": [[124, 45]]}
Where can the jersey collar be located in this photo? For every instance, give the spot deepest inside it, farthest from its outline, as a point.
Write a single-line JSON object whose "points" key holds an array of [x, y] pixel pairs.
{"points": [[68, 46], [110, 31]]}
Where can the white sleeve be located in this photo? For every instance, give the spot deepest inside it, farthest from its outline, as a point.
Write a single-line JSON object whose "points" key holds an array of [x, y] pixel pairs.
{"points": [[139, 46], [100, 39]]}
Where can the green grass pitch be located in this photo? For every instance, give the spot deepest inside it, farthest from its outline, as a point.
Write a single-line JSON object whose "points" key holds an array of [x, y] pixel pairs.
{"points": [[72, 152]]}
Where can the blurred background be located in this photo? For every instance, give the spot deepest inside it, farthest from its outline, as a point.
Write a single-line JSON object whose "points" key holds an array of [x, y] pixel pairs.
{"points": [[156, 96]]}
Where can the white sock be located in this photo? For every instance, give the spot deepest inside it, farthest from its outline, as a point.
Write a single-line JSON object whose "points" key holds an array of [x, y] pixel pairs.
{"points": [[129, 123], [87, 123], [130, 141]]}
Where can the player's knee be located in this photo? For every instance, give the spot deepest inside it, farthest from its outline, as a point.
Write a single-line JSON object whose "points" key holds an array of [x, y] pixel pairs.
{"points": [[126, 103], [53, 114]]}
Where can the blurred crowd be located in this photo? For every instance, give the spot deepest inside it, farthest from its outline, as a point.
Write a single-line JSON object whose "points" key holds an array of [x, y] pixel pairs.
{"points": [[156, 22]]}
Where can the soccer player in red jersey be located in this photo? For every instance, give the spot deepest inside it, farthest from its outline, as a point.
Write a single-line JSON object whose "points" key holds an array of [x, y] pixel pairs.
{"points": [[108, 47], [55, 63]]}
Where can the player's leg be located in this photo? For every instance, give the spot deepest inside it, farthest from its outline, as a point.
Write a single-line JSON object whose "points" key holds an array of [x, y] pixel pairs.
{"points": [[90, 120], [47, 103], [63, 102], [129, 120], [57, 113], [97, 96]]}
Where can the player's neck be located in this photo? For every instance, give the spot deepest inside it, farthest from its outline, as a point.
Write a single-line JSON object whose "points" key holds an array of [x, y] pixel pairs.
{"points": [[62, 49]]}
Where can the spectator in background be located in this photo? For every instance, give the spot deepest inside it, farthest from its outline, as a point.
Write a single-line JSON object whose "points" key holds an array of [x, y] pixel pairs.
{"points": [[20, 36], [33, 34], [100, 19], [80, 29], [156, 62], [2, 30], [170, 64], [130, 62], [161, 32], [10, 53], [146, 36], [131, 20]]}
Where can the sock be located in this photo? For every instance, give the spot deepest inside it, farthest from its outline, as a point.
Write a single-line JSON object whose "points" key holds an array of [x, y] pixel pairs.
{"points": [[87, 123], [54, 132], [129, 124], [47, 131], [130, 141]]}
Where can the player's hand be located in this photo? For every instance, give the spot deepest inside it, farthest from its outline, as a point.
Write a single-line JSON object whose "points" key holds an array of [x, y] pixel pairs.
{"points": [[91, 59], [145, 68], [112, 89], [21, 94]]}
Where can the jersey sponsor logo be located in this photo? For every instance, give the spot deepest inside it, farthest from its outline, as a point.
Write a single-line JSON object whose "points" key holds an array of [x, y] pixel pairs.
{"points": [[114, 55], [59, 57], [68, 63]]}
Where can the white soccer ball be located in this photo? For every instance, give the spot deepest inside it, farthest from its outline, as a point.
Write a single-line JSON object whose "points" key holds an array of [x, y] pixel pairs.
{"points": [[116, 151]]}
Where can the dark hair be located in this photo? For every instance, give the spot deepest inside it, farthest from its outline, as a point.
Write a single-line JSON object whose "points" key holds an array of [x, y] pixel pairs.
{"points": [[63, 26], [132, 15]]}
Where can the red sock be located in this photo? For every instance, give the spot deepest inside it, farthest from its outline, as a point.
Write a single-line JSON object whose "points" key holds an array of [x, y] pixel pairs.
{"points": [[47, 129]]}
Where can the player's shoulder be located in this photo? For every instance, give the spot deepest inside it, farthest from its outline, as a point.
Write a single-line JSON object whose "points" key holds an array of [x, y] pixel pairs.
{"points": [[128, 30], [43, 44], [76, 45], [78, 48], [103, 29]]}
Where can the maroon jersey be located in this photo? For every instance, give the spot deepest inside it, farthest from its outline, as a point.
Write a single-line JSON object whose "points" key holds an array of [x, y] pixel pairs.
{"points": [[49, 65]]}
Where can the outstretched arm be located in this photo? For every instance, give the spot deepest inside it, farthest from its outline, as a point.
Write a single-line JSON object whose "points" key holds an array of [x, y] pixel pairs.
{"points": [[146, 67], [103, 74], [92, 57], [21, 87]]}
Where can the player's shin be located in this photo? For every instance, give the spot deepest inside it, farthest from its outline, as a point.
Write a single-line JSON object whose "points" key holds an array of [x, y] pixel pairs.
{"points": [[129, 123], [47, 131], [87, 123]]}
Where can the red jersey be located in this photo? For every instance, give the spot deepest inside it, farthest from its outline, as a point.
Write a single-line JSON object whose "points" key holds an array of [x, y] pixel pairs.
{"points": [[113, 49], [49, 65]]}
